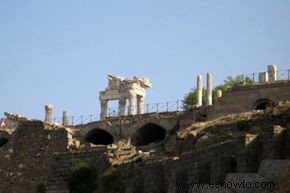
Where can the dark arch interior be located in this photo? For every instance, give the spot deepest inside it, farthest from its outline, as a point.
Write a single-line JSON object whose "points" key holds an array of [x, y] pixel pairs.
{"points": [[3, 141], [264, 104], [99, 137], [149, 133]]}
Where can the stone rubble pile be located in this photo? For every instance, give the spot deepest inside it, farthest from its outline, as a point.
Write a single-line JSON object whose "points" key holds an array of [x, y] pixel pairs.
{"points": [[123, 152], [15, 117]]}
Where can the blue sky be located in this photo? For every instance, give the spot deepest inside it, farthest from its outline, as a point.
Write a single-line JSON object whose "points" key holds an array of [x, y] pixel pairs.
{"points": [[60, 51]]}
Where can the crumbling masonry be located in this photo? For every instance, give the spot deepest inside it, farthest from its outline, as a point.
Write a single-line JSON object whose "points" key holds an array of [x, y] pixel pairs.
{"points": [[245, 135]]}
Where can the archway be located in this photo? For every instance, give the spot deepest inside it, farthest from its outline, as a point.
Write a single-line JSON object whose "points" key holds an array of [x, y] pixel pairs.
{"points": [[263, 104], [99, 137], [3, 141], [149, 133]]}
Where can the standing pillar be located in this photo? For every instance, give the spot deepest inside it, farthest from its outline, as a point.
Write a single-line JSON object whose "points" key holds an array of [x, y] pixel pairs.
{"points": [[122, 105], [132, 101], [209, 88], [199, 91], [263, 77], [272, 72], [64, 118], [48, 113], [140, 104], [104, 108]]}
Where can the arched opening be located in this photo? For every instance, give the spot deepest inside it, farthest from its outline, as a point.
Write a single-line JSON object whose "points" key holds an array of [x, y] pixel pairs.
{"points": [[99, 137], [149, 133], [3, 141], [263, 104]]}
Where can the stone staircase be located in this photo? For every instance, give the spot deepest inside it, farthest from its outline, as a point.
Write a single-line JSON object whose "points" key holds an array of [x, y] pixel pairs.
{"points": [[123, 152]]}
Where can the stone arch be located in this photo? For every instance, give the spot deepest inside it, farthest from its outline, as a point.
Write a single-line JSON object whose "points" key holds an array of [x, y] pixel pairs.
{"points": [[166, 123], [99, 136], [263, 104], [3, 141], [149, 133]]}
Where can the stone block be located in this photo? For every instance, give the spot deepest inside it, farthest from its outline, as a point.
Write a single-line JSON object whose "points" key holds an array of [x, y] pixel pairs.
{"points": [[247, 178], [273, 169]]}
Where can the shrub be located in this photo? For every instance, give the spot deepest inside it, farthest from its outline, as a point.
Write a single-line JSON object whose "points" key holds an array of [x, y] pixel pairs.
{"points": [[40, 188], [82, 178], [111, 181], [243, 125]]}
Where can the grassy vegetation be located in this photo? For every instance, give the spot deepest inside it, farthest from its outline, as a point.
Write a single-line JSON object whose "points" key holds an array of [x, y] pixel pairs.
{"points": [[243, 125], [40, 188], [82, 178], [111, 181]]}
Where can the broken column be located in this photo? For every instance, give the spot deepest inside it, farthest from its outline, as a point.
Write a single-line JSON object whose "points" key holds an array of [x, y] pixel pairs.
{"points": [[140, 104], [132, 101], [48, 113], [219, 93], [209, 88], [199, 91], [263, 77], [64, 118], [104, 108], [272, 72], [122, 105]]}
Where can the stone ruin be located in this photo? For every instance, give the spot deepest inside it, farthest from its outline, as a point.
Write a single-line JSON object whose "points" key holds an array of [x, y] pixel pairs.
{"points": [[192, 149], [48, 115], [10, 123], [208, 87], [270, 75], [123, 89]]}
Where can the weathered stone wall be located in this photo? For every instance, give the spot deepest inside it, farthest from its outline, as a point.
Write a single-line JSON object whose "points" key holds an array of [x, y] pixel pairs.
{"points": [[209, 156], [243, 98], [63, 162], [126, 127], [207, 165], [200, 153], [25, 159]]}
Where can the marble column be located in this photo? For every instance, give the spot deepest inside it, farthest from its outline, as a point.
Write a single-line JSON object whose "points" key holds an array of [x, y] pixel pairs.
{"points": [[104, 108], [48, 113], [199, 91], [64, 118], [263, 77], [132, 101], [219, 93], [122, 105], [140, 104], [272, 72], [209, 88]]}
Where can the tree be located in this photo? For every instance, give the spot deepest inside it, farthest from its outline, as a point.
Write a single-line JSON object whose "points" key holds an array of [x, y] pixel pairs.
{"points": [[190, 99], [231, 82]]}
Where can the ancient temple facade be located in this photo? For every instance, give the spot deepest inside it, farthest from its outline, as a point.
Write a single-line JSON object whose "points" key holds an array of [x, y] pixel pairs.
{"points": [[123, 90]]}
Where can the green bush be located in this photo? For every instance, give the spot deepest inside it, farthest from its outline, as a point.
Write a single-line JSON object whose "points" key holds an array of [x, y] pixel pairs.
{"points": [[243, 125], [40, 188], [82, 178], [111, 181]]}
